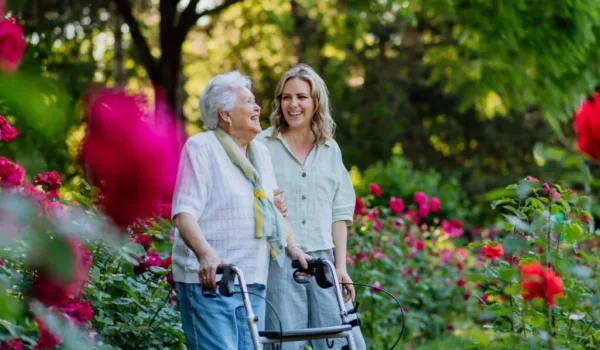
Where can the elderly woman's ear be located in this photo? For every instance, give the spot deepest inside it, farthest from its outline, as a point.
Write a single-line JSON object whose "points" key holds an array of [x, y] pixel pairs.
{"points": [[225, 117]]}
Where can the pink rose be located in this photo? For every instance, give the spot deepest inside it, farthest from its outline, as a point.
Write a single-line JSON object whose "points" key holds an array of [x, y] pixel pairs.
{"points": [[12, 44], [423, 211], [434, 204], [453, 228], [7, 131], [396, 205], [375, 189], [50, 182], [2, 8], [11, 173], [359, 207], [420, 198]]}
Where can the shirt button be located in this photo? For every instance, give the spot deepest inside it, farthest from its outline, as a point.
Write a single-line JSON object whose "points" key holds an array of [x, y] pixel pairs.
{"points": [[303, 174], [303, 197], [303, 222]]}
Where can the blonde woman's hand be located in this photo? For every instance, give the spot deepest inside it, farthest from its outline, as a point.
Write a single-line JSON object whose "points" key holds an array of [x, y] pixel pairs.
{"points": [[344, 277], [280, 203]]}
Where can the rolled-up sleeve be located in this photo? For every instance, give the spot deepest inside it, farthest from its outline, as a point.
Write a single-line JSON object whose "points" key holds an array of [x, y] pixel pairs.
{"points": [[191, 191], [344, 199]]}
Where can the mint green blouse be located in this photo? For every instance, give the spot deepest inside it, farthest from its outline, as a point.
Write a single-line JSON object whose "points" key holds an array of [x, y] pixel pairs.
{"points": [[318, 192]]}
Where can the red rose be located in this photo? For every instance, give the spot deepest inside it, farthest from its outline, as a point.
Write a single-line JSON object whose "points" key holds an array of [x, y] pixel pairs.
{"points": [[375, 189], [540, 282], [46, 340], [7, 131], [53, 292], [461, 281], [166, 263], [423, 211], [151, 259], [359, 207], [587, 127], [143, 240], [420, 198], [493, 252], [131, 153], [11, 344], [396, 205], [12, 44], [11, 173], [50, 182], [80, 311], [435, 204]]}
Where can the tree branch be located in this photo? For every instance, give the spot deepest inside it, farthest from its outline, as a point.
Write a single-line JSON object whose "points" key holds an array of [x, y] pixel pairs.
{"points": [[138, 38], [189, 17]]}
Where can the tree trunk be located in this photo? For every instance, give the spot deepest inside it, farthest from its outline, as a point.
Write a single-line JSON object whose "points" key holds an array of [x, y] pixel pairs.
{"points": [[118, 71], [165, 71]]}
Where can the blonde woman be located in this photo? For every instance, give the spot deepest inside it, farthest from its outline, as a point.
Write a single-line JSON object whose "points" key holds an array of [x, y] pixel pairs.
{"points": [[319, 198]]}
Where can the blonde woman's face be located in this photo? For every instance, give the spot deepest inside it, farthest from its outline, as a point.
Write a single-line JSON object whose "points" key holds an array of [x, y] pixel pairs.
{"points": [[297, 104]]}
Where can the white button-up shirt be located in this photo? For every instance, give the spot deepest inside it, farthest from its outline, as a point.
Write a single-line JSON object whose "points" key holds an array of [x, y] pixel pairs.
{"points": [[318, 192], [216, 192]]}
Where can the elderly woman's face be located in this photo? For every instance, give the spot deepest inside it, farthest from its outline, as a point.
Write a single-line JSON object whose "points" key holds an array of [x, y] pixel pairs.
{"points": [[297, 103], [245, 115]]}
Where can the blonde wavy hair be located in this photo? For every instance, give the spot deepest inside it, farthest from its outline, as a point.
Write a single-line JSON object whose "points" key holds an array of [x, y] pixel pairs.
{"points": [[323, 125]]}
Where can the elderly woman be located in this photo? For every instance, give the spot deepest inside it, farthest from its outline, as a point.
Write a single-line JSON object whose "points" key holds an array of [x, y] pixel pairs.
{"points": [[223, 213], [320, 201]]}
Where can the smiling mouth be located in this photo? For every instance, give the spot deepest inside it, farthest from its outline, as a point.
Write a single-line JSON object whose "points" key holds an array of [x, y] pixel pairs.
{"points": [[294, 114]]}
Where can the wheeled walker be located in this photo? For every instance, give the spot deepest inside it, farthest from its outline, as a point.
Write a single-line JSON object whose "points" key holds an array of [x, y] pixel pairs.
{"points": [[324, 273]]}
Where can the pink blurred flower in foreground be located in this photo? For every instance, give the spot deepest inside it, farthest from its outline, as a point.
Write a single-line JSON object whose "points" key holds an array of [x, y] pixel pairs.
{"points": [[50, 182], [453, 228], [375, 189], [2, 8], [12, 45], [11, 173], [131, 153], [7, 131]]}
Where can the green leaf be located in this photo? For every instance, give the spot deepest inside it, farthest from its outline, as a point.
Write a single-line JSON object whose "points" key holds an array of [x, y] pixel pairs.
{"points": [[574, 231], [513, 245], [157, 270], [519, 224], [523, 189], [134, 248], [581, 272]]}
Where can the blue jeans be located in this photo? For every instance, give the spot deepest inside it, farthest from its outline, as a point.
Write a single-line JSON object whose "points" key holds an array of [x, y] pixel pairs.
{"points": [[218, 323]]}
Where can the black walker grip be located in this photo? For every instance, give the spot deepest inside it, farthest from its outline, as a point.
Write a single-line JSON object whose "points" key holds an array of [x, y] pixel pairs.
{"points": [[317, 268], [226, 285]]}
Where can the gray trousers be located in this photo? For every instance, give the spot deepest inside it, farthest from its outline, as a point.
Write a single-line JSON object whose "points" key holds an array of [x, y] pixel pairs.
{"points": [[302, 306]]}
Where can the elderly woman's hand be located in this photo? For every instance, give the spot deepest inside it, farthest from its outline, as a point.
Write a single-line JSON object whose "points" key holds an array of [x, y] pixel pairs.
{"points": [[279, 201], [295, 253], [209, 261]]}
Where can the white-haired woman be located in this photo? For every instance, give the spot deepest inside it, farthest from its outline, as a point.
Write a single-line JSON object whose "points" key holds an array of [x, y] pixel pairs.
{"points": [[319, 197], [224, 176]]}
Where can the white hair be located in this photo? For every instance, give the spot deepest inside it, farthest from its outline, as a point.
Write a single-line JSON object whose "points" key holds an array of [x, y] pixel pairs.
{"points": [[219, 95]]}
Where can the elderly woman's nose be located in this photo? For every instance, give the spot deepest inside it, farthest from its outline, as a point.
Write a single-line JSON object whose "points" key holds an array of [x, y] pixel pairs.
{"points": [[256, 107]]}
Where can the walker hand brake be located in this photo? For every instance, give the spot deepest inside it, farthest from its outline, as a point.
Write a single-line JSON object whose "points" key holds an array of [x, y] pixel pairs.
{"points": [[226, 285]]}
